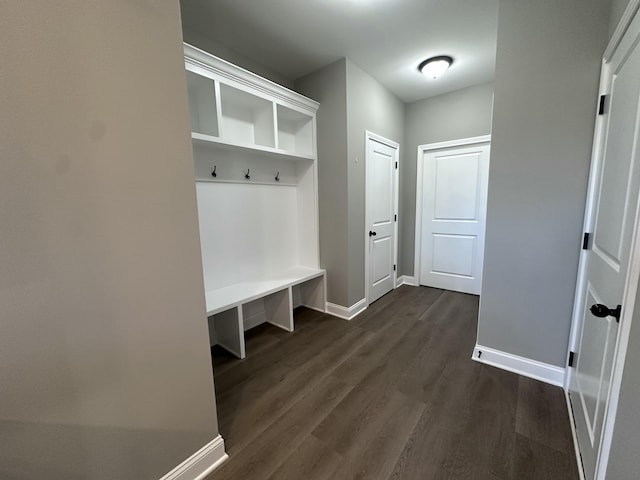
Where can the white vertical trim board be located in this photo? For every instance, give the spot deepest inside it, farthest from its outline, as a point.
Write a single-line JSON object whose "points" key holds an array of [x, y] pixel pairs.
{"points": [[347, 313], [522, 366], [200, 464]]}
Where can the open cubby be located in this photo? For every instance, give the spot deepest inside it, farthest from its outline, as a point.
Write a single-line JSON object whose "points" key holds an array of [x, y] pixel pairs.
{"points": [[246, 118], [202, 104], [295, 131]]}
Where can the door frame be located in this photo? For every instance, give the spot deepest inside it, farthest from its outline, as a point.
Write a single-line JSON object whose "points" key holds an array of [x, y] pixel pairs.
{"points": [[367, 218], [422, 149], [632, 280]]}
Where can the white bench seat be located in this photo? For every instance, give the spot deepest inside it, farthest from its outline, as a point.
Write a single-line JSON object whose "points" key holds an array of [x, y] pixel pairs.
{"points": [[225, 305]]}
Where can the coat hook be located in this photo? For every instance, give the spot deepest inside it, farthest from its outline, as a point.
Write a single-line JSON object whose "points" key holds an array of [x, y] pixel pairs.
{"points": [[278, 177], [213, 173], [247, 176]]}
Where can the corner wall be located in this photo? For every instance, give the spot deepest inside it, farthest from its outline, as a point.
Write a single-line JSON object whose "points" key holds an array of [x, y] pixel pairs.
{"points": [[547, 74], [351, 102], [372, 107], [105, 363]]}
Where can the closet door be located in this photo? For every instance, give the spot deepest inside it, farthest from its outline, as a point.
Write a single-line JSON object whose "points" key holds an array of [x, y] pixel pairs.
{"points": [[454, 204]]}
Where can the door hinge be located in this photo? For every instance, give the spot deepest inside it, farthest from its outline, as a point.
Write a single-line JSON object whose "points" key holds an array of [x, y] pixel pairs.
{"points": [[602, 105], [394, 268], [585, 240], [572, 356], [396, 165], [395, 218]]}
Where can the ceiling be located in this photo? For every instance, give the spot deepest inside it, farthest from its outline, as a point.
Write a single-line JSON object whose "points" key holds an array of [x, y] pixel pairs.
{"points": [[386, 38]]}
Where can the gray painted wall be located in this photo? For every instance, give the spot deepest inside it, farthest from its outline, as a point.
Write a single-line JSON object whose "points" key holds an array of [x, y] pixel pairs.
{"points": [[104, 353], [351, 102], [370, 106], [203, 42], [460, 114], [547, 73], [329, 87], [617, 9]]}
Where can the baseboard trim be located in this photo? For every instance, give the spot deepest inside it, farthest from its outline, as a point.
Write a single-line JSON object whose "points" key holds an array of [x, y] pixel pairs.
{"points": [[347, 313], [574, 435], [200, 464], [523, 366], [406, 280]]}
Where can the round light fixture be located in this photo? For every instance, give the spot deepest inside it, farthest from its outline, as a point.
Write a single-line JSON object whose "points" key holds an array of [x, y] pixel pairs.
{"points": [[435, 66]]}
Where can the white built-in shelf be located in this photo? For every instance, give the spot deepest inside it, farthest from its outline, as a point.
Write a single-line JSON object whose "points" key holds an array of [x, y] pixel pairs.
{"points": [[259, 241], [232, 109]]}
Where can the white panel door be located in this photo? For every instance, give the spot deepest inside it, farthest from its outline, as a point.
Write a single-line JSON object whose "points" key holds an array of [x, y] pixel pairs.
{"points": [[454, 204], [606, 261], [381, 200]]}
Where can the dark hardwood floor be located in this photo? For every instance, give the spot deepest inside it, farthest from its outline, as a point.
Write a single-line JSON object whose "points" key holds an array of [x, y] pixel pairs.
{"points": [[393, 394]]}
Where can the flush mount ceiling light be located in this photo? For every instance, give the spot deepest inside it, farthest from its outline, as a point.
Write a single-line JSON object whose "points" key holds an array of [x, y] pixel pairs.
{"points": [[435, 66]]}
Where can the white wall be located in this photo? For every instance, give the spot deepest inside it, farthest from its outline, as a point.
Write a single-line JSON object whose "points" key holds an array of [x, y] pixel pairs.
{"points": [[105, 368], [547, 73], [460, 114]]}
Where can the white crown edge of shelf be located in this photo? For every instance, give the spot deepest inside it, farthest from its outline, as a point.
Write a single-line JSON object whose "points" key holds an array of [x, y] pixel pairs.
{"points": [[238, 74], [205, 140]]}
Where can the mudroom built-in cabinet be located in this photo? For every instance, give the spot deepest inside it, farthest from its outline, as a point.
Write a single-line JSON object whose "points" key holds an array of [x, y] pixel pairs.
{"points": [[254, 149]]}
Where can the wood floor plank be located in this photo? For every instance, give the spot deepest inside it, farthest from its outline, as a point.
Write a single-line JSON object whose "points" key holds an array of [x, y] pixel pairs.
{"points": [[298, 347], [250, 410], [534, 460], [312, 460], [373, 455], [541, 415], [268, 452], [392, 394]]}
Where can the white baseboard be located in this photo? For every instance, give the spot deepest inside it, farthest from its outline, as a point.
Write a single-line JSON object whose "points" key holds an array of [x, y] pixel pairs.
{"points": [[406, 280], [523, 366], [348, 313], [200, 464], [574, 435]]}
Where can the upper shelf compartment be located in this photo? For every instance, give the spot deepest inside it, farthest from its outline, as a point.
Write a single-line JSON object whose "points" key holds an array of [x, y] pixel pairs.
{"points": [[246, 118], [234, 108], [202, 104]]}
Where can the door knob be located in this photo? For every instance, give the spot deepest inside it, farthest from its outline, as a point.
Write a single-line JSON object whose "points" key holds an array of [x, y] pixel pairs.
{"points": [[602, 311], [372, 234]]}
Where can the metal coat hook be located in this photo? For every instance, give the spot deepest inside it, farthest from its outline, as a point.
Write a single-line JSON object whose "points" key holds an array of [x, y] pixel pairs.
{"points": [[213, 173], [247, 176], [277, 176]]}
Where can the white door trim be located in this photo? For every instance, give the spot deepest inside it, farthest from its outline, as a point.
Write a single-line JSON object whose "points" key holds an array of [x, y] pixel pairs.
{"points": [[422, 149], [390, 143], [629, 21]]}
